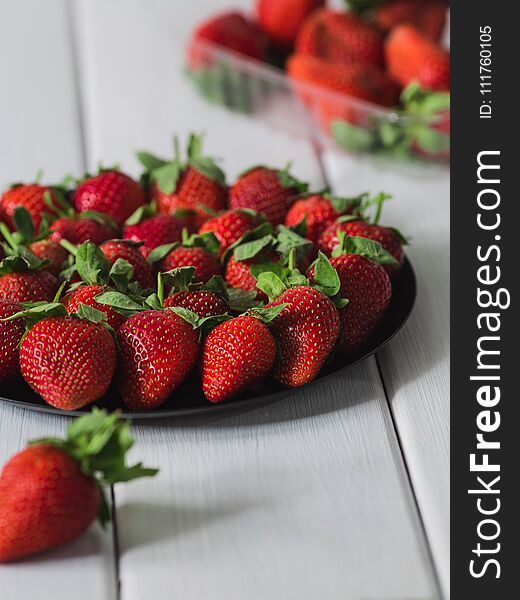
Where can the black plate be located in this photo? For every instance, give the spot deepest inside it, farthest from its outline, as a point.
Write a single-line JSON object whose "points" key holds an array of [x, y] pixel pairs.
{"points": [[188, 398]]}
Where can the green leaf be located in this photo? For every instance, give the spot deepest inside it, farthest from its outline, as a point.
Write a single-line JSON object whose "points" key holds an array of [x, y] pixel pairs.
{"points": [[121, 274], [38, 311], [242, 300], [209, 169], [278, 269], [431, 140], [290, 182], [161, 252], [88, 313], [149, 161], [119, 301], [179, 279], [294, 277], [267, 315], [24, 224], [20, 262], [167, 176], [356, 139], [154, 302], [188, 315], [326, 278], [259, 232], [91, 264], [343, 204], [143, 212], [207, 240], [251, 249], [349, 244], [288, 240], [271, 285], [217, 285]]}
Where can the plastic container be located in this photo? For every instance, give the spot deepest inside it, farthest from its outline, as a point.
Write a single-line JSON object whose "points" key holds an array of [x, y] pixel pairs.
{"points": [[325, 117]]}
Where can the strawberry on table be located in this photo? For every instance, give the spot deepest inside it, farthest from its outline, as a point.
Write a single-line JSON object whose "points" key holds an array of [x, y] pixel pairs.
{"points": [[230, 226], [411, 56], [68, 361], [238, 354], [53, 490], [37, 199], [282, 19], [197, 185], [111, 193], [11, 333], [267, 191], [153, 232], [365, 283]]}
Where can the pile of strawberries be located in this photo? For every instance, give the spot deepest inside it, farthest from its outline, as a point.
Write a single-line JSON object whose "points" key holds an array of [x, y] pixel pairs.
{"points": [[370, 52], [147, 282]]}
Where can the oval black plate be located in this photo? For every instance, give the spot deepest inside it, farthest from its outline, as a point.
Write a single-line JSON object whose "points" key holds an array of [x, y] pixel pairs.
{"points": [[188, 398]]}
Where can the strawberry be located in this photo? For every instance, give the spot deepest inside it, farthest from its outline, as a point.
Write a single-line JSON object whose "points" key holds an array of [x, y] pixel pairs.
{"points": [[111, 193], [428, 16], [38, 200], [24, 235], [53, 490], [282, 19], [238, 274], [411, 56], [306, 330], [230, 226], [318, 211], [237, 355], [51, 251], [129, 252], [154, 231], [230, 30], [68, 361], [364, 82], [198, 185], [22, 279], [340, 38], [158, 349], [367, 286], [86, 295], [266, 191], [391, 239], [11, 333], [203, 303], [79, 229], [198, 251]]}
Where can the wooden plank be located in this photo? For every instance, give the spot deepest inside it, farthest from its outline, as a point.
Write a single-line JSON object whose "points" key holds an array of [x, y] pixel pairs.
{"points": [[39, 128], [415, 366], [305, 498]]}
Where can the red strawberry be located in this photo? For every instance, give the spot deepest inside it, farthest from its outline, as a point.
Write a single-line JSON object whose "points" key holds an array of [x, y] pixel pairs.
{"points": [[366, 285], [364, 82], [230, 226], [340, 38], [206, 264], [238, 275], [319, 211], [230, 30], [428, 16], [86, 294], [125, 250], [391, 240], [266, 191], [154, 231], [52, 491], [157, 351], [282, 19], [11, 333], [32, 198], [411, 56], [51, 251], [77, 230], [28, 286], [306, 330], [198, 185], [203, 303], [69, 362], [237, 354], [111, 193]]}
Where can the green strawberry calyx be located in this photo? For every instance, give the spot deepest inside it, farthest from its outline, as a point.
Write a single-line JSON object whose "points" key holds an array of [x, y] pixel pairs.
{"points": [[208, 241], [166, 173], [350, 244], [21, 260], [99, 442]]}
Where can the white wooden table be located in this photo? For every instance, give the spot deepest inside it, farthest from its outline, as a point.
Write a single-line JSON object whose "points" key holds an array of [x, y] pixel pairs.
{"points": [[340, 492]]}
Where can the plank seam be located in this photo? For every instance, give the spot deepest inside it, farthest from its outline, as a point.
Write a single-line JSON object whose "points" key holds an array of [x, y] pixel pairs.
{"points": [[115, 544]]}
